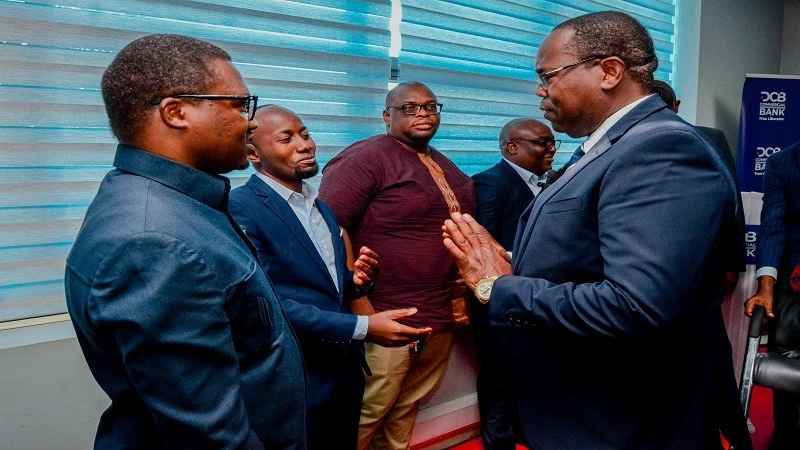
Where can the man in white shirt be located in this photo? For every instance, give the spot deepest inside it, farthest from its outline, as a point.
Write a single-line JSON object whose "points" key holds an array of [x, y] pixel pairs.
{"points": [[301, 247], [612, 289]]}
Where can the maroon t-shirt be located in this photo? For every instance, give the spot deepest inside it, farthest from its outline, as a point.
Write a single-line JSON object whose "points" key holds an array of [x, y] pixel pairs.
{"points": [[386, 198]]}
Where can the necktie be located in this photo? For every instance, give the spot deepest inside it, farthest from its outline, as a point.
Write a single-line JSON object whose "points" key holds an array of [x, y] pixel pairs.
{"points": [[575, 156]]}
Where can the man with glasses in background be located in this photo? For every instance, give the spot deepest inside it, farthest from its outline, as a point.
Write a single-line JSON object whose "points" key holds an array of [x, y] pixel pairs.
{"points": [[178, 323], [391, 193], [503, 191], [614, 286]]}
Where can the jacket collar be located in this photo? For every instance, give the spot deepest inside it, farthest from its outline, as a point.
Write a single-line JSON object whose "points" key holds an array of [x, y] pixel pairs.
{"points": [[643, 110], [211, 190], [515, 178]]}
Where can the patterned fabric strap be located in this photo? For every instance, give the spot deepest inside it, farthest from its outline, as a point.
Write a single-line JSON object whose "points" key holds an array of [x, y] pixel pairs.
{"points": [[459, 298], [438, 177]]}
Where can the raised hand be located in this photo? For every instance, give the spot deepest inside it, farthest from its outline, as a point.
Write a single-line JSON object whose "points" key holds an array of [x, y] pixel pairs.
{"points": [[477, 255]]}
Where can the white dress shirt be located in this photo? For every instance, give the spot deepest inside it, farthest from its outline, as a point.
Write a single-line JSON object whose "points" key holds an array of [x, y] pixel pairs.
{"points": [[530, 178]]}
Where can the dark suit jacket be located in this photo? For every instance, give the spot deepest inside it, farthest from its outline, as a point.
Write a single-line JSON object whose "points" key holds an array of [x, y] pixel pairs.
{"points": [[737, 258], [502, 197], [618, 352], [178, 323], [319, 313], [779, 240]]}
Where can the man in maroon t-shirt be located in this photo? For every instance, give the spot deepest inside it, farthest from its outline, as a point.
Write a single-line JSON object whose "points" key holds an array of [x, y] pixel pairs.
{"points": [[391, 193]]}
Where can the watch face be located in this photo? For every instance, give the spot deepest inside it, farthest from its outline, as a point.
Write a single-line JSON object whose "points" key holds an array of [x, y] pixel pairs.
{"points": [[484, 289]]}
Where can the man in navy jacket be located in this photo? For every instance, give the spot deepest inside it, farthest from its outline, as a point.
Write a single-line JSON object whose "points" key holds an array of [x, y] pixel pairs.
{"points": [[177, 321], [300, 246], [616, 266]]}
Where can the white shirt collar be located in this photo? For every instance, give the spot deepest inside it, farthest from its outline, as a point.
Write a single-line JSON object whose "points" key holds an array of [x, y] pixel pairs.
{"points": [[610, 122], [528, 177], [309, 192]]}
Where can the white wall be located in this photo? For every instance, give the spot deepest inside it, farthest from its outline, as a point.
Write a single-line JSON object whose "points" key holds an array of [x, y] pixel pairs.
{"points": [[48, 398], [737, 37], [790, 54]]}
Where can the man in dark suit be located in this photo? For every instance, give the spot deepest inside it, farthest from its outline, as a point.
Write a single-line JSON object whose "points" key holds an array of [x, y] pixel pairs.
{"points": [[178, 323], [616, 266], [503, 192], [301, 248], [778, 275], [733, 427]]}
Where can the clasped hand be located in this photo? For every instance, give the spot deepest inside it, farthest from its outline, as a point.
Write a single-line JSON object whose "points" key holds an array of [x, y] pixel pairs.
{"points": [[476, 253]]}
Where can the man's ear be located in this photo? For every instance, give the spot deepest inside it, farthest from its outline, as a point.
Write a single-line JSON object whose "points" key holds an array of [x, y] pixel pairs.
{"points": [[173, 113], [613, 72], [676, 106], [252, 156], [511, 147], [386, 118]]}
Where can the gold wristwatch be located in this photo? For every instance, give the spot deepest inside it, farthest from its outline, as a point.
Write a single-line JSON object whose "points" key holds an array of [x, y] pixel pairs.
{"points": [[483, 290]]}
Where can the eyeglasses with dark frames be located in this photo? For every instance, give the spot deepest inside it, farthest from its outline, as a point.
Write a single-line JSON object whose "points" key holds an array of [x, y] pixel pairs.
{"points": [[544, 77], [249, 102], [411, 109], [542, 143]]}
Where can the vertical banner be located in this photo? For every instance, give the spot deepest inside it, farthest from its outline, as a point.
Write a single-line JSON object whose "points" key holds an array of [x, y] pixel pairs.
{"points": [[769, 121]]}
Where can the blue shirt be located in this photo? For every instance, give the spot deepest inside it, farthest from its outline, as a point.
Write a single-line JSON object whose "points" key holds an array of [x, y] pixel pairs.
{"points": [[178, 323]]}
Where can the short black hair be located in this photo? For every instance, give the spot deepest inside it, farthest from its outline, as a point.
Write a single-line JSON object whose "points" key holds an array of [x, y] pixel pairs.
{"points": [[151, 68], [664, 91], [401, 87], [614, 33]]}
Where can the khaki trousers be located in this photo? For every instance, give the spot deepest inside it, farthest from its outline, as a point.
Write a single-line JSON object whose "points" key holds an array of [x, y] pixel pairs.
{"points": [[399, 381]]}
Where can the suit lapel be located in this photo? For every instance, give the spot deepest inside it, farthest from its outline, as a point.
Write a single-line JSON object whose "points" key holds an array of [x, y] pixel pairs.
{"points": [[637, 114], [338, 244], [515, 179], [285, 214], [535, 208]]}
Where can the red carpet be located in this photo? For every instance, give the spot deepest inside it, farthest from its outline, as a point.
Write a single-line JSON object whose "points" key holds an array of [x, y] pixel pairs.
{"points": [[760, 415]]}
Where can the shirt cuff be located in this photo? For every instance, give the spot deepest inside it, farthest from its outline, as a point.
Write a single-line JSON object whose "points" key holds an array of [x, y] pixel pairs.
{"points": [[769, 271], [362, 325]]}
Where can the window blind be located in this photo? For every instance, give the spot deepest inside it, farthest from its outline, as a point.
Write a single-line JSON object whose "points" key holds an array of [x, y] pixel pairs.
{"points": [[478, 57], [325, 59]]}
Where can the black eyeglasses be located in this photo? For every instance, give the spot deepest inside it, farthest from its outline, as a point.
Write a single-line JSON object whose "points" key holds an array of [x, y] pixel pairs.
{"points": [[249, 102], [544, 78], [411, 109], [542, 143]]}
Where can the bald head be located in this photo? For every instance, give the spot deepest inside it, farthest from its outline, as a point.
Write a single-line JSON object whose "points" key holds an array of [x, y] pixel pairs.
{"points": [[529, 144], [396, 94]]}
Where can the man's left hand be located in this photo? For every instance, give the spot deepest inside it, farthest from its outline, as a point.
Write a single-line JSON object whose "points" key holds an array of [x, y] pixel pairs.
{"points": [[477, 255], [366, 268]]}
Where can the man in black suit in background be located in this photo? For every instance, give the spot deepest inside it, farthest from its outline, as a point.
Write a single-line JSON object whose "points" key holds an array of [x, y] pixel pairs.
{"points": [[506, 189], [503, 192]]}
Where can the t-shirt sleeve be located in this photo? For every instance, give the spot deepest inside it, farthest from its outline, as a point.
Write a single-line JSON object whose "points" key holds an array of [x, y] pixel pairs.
{"points": [[348, 186]]}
